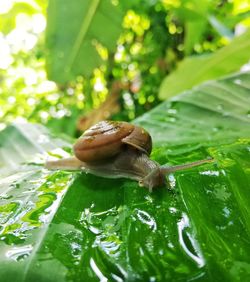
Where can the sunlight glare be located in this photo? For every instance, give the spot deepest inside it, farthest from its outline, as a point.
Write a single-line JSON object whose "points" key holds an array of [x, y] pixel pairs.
{"points": [[5, 53], [30, 76], [99, 87], [21, 40], [38, 23], [5, 6], [23, 21], [46, 86]]}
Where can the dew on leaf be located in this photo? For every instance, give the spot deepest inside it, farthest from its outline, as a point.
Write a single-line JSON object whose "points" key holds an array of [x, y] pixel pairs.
{"points": [[19, 253]]}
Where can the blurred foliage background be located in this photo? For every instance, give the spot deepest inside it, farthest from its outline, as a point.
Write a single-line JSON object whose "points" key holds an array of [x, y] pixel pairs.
{"points": [[153, 38]]}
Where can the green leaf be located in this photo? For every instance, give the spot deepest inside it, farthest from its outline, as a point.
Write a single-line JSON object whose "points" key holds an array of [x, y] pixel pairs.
{"points": [[193, 15], [194, 70], [61, 226], [73, 30], [193, 34], [223, 30]]}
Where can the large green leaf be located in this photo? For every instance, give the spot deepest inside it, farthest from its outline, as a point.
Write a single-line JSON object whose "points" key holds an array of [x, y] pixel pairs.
{"points": [[74, 28], [194, 70], [59, 226]]}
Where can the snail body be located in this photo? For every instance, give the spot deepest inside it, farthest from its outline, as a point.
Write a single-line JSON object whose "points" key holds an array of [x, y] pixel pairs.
{"points": [[118, 149]]}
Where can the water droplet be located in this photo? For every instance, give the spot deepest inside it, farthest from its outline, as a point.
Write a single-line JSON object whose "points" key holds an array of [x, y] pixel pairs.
{"points": [[226, 114], [145, 218], [172, 210], [219, 107], [226, 212], [172, 111], [15, 185], [109, 244], [42, 139], [238, 81], [170, 245], [19, 253], [171, 181], [210, 173], [223, 172], [5, 197], [150, 199], [94, 230], [194, 254], [97, 271], [217, 128]]}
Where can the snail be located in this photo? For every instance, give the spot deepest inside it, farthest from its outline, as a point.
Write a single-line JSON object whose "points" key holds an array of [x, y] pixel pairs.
{"points": [[118, 149]]}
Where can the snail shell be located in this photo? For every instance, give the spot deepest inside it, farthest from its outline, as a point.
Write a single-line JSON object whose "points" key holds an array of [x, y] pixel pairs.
{"points": [[108, 138]]}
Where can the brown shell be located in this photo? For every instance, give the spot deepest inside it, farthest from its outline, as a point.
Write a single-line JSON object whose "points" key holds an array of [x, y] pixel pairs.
{"points": [[139, 139], [106, 139]]}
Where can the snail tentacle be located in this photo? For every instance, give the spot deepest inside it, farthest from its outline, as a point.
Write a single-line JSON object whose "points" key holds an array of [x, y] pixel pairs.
{"points": [[169, 169]]}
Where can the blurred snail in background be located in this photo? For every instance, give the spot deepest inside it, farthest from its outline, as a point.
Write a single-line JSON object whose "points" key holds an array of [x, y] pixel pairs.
{"points": [[118, 149]]}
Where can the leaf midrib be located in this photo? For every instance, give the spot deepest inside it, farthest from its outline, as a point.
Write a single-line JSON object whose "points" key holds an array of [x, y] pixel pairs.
{"points": [[83, 31]]}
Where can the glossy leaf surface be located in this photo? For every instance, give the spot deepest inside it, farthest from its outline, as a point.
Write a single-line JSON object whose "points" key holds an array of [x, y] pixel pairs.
{"points": [[64, 226]]}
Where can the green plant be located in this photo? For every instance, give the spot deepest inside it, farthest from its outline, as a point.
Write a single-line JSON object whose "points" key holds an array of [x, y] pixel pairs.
{"points": [[72, 226]]}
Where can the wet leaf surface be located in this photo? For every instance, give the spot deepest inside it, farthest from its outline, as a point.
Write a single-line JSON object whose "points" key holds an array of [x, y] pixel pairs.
{"points": [[64, 226]]}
